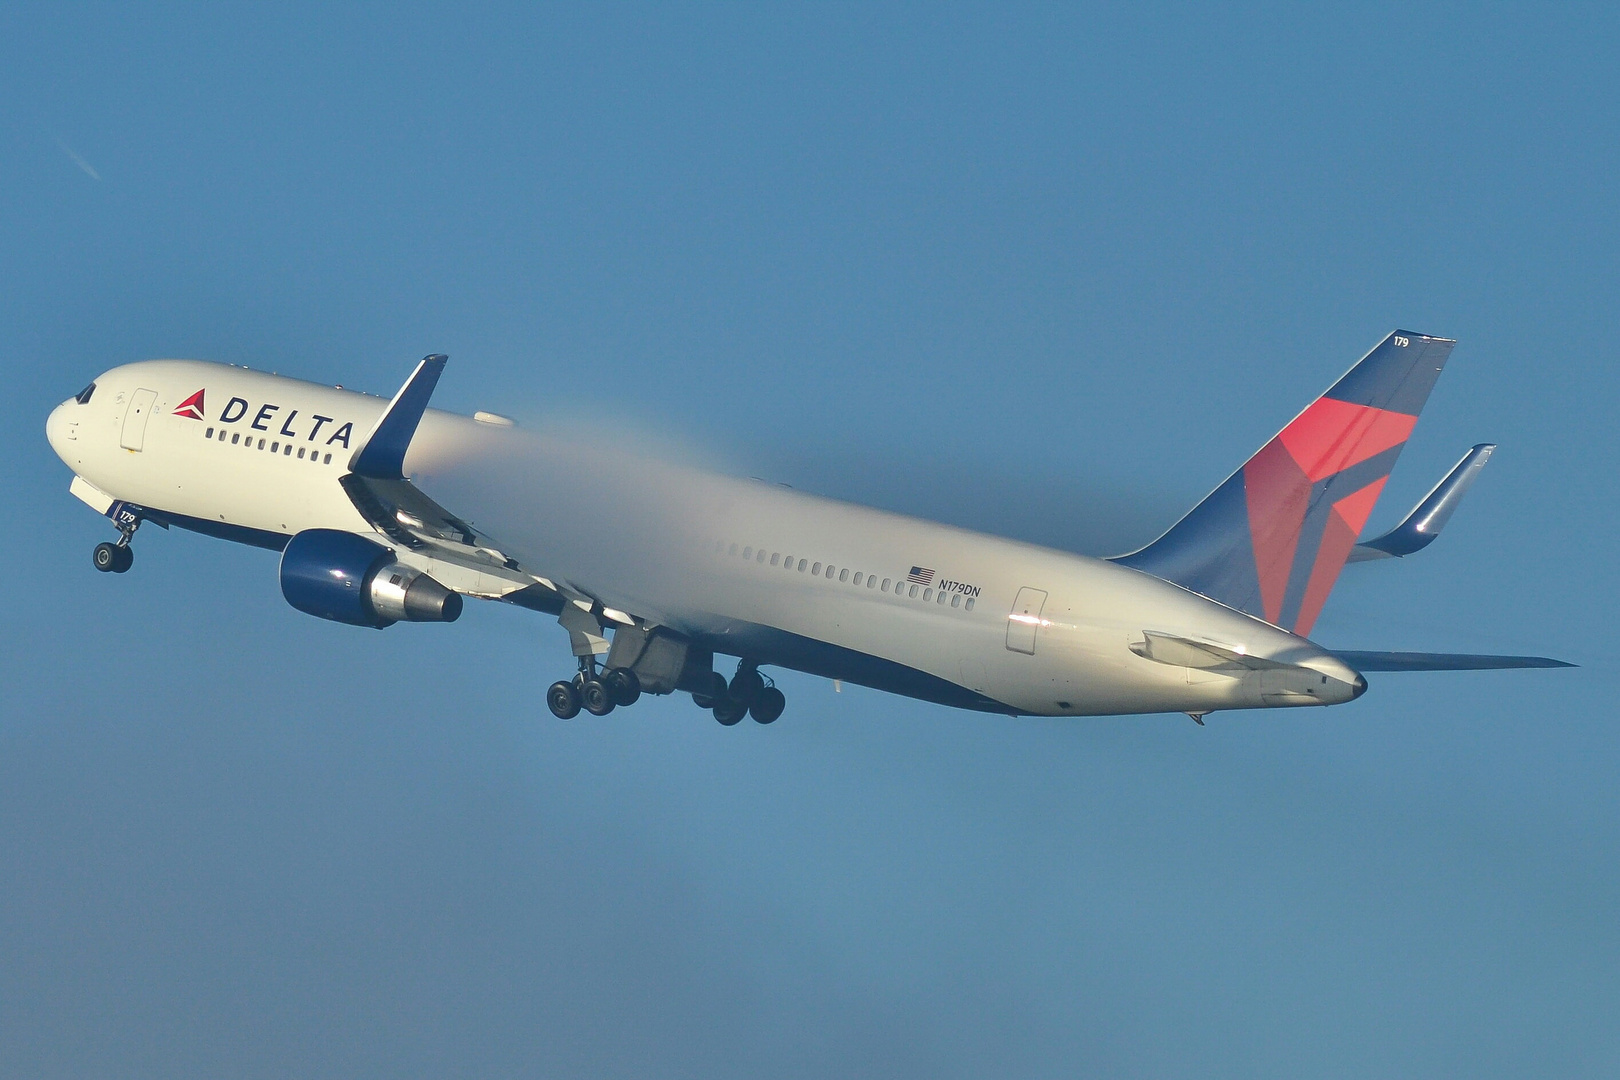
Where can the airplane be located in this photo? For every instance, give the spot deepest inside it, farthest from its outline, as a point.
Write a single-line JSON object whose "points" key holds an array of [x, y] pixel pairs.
{"points": [[388, 511]]}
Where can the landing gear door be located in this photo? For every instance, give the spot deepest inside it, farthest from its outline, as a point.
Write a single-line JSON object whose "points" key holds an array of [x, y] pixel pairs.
{"points": [[1024, 620], [135, 416]]}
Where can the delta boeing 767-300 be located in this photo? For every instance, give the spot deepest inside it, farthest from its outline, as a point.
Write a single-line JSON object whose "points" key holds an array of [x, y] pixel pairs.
{"points": [[385, 511]]}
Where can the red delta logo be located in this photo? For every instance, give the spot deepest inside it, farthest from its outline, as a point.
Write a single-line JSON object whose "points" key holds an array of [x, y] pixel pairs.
{"points": [[192, 406], [1309, 492]]}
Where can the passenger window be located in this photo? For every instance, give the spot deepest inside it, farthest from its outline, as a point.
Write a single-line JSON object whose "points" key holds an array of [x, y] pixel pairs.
{"points": [[734, 549], [970, 603], [941, 596], [928, 594], [287, 450], [236, 437], [913, 592], [275, 448], [871, 582], [221, 434], [885, 584], [328, 460], [300, 453], [209, 434], [801, 566], [956, 601], [776, 557], [843, 575], [261, 444], [748, 553], [760, 558], [815, 571], [829, 571], [857, 581]]}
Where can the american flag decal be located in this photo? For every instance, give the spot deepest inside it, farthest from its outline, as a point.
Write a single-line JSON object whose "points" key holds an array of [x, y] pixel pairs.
{"points": [[920, 575]]}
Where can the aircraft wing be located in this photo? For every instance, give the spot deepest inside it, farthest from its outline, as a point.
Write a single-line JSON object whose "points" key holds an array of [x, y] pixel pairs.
{"points": [[443, 544]]}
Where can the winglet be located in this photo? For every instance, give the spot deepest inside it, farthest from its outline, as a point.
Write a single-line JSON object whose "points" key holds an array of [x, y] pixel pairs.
{"points": [[1429, 516], [382, 455]]}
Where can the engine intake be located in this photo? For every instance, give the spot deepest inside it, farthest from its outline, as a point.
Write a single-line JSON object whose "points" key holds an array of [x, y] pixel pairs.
{"points": [[337, 575]]}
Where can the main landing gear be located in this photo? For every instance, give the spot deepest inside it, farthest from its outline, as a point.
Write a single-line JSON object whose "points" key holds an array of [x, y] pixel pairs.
{"points": [[116, 558], [748, 694], [598, 693]]}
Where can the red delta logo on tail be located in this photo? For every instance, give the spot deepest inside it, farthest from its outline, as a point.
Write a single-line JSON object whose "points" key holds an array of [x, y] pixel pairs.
{"points": [[1309, 492], [192, 406], [1273, 537]]}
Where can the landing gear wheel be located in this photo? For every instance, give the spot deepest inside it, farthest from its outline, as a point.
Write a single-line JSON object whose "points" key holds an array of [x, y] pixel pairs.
{"points": [[711, 694], [747, 685], [769, 706], [729, 711], [623, 686], [563, 700], [106, 557], [596, 698], [126, 559]]}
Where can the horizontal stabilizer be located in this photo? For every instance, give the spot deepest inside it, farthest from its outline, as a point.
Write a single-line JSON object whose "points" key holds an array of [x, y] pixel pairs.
{"points": [[1430, 515], [382, 455], [1431, 661]]}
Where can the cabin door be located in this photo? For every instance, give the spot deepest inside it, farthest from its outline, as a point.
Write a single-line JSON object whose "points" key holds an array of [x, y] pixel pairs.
{"points": [[1024, 620], [135, 416]]}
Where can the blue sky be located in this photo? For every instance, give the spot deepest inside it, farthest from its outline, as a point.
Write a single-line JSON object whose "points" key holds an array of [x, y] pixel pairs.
{"points": [[1051, 272]]}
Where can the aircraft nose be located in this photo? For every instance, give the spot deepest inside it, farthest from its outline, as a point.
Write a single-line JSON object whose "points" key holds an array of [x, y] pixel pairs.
{"points": [[56, 429], [62, 430]]}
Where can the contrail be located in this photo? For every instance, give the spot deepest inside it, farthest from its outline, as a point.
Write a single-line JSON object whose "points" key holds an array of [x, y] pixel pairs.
{"points": [[77, 160]]}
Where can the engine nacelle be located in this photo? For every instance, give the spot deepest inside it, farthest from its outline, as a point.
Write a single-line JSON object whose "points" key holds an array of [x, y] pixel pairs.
{"points": [[346, 578]]}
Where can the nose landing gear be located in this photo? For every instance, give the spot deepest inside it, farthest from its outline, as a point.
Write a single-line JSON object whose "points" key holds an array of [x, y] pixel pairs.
{"points": [[113, 558], [117, 558]]}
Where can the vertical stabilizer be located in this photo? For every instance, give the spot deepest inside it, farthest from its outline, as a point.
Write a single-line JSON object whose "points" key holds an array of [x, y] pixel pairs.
{"points": [[1272, 539]]}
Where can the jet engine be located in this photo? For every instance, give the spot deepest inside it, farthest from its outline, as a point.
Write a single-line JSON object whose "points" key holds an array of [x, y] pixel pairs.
{"points": [[346, 578]]}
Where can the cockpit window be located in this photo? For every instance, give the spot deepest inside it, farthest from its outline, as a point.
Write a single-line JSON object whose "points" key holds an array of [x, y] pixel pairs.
{"points": [[83, 396]]}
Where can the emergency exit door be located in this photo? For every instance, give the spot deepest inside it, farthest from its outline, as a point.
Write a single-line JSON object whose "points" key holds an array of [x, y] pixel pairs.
{"points": [[1024, 620], [140, 407]]}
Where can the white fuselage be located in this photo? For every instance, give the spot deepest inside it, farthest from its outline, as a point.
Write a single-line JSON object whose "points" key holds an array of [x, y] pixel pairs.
{"points": [[749, 568]]}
